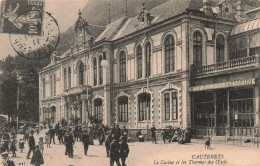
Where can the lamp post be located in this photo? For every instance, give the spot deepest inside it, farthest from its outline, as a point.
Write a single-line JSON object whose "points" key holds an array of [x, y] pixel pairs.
{"points": [[87, 68], [1, 72], [17, 101]]}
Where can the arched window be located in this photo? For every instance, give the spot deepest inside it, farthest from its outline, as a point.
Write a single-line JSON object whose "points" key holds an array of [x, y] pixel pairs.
{"points": [[98, 109], [148, 59], [169, 53], [220, 46], [197, 48], [123, 108], [69, 77], [100, 71], [122, 67], [54, 84], [95, 70], [144, 100], [65, 78], [139, 61], [81, 73]]}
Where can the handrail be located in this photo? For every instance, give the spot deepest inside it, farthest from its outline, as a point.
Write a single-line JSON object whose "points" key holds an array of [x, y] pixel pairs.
{"points": [[236, 63]]}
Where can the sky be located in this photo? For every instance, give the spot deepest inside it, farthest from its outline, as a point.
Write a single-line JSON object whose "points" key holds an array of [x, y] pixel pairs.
{"points": [[64, 11]]}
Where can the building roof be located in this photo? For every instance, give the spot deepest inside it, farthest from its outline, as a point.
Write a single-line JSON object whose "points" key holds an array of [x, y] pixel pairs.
{"points": [[245, 27], [111, 29], [162, 12]]}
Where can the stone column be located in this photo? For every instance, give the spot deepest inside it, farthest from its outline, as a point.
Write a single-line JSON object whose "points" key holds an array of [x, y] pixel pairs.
{"points": [[215, 112], [256, 106]]}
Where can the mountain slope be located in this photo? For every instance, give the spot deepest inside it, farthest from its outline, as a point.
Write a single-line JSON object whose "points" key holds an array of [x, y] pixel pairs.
{"points": [[96, 12]]}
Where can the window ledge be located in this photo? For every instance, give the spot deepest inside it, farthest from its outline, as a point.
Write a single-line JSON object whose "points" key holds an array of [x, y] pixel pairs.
{"points": [[144, 121], [165, 121]]}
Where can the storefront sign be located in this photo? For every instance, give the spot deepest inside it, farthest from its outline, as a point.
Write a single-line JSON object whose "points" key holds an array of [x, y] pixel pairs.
{"points": [[223, 85]]}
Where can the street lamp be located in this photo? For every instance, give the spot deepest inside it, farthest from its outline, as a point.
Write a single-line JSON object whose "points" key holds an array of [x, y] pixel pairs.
{"points": [[17, 101]]}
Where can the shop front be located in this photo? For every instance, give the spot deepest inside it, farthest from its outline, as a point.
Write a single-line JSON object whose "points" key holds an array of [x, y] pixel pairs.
{"points": [[226, 111]]}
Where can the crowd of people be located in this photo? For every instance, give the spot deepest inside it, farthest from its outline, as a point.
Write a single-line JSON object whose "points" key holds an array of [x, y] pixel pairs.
{"points": [[113, 138], [9, 142]]}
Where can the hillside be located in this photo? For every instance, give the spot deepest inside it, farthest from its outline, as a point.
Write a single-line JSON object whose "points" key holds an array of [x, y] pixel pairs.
{"points": [[96, 12]]}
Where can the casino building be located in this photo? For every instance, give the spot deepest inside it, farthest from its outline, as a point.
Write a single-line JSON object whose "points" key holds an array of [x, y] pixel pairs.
{"points": [[185, 63]]}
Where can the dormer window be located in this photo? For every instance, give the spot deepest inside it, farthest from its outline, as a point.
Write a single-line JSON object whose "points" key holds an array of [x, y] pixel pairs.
{"points": [[145, 16]]}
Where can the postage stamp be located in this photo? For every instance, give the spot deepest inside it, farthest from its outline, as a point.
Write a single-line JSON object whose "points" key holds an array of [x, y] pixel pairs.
{"points": [[22, 16], [37, 47]]}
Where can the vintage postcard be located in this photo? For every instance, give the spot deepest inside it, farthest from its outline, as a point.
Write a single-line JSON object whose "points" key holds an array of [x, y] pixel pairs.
{"points": [[130, 82]]}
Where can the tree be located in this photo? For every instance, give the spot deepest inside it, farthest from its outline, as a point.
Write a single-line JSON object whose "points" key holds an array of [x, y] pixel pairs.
{"points": [[18, 71]]}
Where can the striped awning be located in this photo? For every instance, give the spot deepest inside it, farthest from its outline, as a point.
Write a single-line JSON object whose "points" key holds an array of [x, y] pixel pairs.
{"points": [[245, 27]]}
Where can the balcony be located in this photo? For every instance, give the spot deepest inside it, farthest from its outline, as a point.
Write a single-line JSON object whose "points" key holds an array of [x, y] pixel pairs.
{"points": [[251, 61], [78, 90]]}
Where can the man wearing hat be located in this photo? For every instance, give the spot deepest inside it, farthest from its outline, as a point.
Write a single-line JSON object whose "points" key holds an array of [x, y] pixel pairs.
{"points": [[6, 161], [69, 143], [31, 145], [85, 141], [114, 151]]}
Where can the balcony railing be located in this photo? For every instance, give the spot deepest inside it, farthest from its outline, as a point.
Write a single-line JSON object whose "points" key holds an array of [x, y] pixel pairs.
{"points": [[232, 64]]}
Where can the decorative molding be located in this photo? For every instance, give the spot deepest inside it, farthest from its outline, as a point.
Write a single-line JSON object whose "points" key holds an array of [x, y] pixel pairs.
{"points": [[142, 90], [122, 93], [167, 87]]}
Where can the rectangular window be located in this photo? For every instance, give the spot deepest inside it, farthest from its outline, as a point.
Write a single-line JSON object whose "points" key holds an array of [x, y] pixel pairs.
{"points": [[65, 79], [123, 112], [167, 106], [43, 88], [54, 85], [95, 71], [99, 112], [174, 106], [69, 77], [144, 106], [51, 86], [241, 109]]}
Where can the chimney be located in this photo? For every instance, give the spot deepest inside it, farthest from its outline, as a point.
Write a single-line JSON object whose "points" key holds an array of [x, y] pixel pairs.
{"points": [[240, 16], [207, 7]]}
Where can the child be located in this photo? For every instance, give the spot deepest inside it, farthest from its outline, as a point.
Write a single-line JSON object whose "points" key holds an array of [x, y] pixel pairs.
{"points": [[21, 145], [47, 139], [13, 147], [207, 144], [37, 158], [41, 147]]}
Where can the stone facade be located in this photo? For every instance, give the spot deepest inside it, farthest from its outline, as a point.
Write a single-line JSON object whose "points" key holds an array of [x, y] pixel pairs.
{"points": [[129, 69]]}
